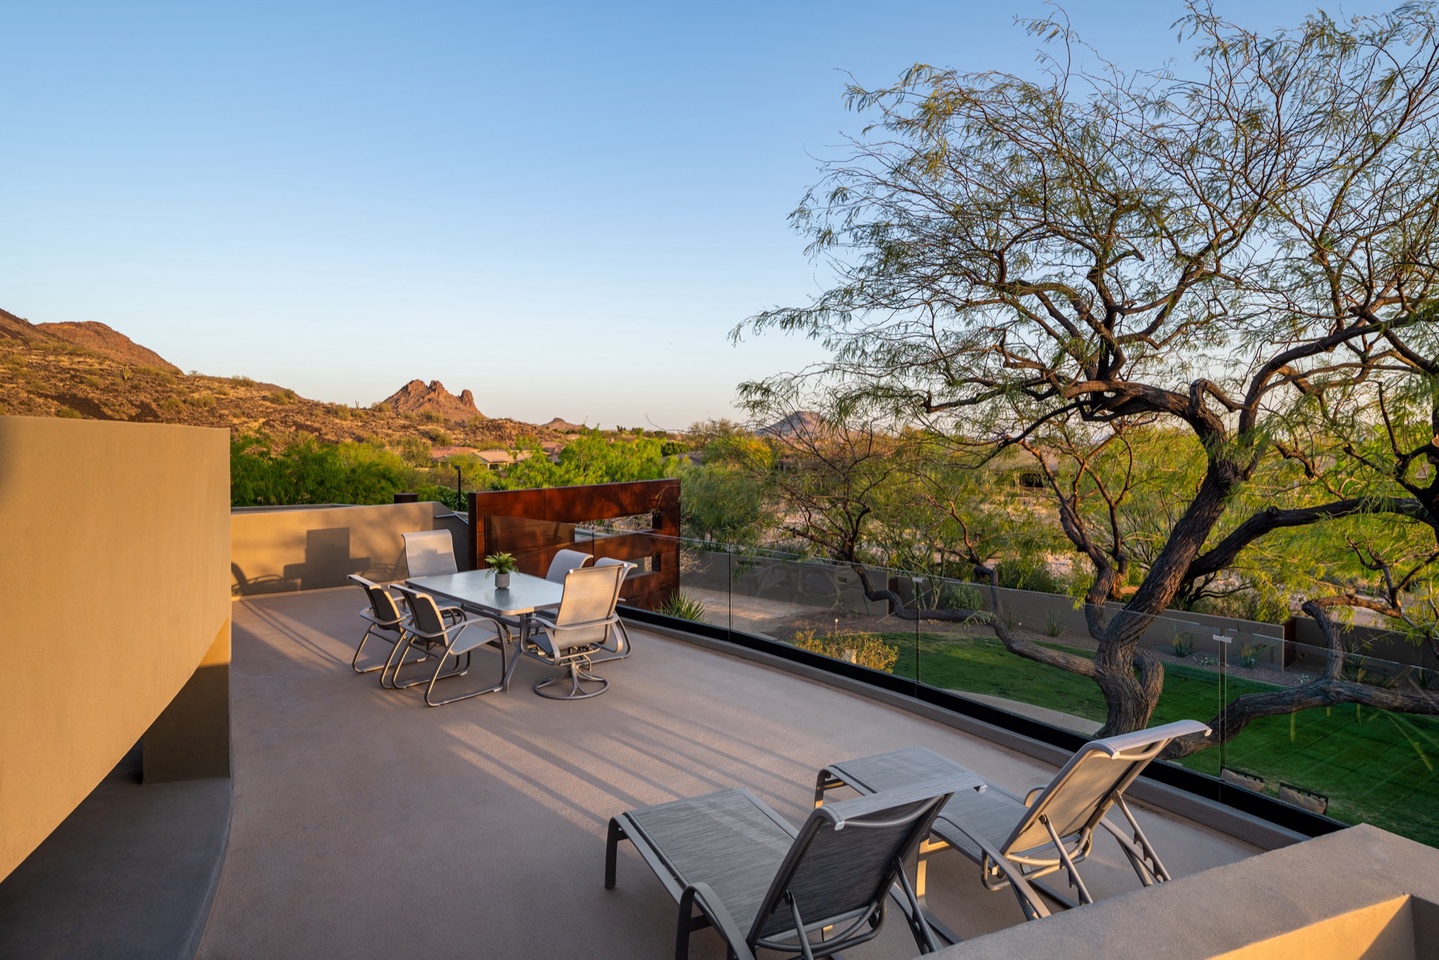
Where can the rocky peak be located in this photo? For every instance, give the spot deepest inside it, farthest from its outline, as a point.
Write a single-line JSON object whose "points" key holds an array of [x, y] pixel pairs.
{"points": [[419, 397]]}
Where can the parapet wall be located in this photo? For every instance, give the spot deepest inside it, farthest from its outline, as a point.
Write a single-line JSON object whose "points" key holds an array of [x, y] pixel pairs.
{"points": [[281, 549], [116, 540]]}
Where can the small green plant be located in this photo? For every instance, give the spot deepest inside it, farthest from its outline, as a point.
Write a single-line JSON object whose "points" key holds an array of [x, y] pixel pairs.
{"points": [[863, 649], [68, 412], [282, 397], [683, 606], [502, 562], [202, 400], [1182, 644], [1250, 654], [1053, 624]]}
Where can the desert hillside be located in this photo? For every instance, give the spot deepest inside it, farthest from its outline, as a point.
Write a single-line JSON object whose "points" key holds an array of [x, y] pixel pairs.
{"points": [[89, 370]]}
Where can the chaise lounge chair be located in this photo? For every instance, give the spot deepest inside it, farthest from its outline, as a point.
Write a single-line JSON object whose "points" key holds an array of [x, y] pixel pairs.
{"points": [[763, 884], [1016, 840]]}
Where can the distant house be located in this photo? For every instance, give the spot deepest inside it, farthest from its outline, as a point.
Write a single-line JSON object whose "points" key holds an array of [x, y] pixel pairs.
{"points": [[495, 459], [440, 453]]}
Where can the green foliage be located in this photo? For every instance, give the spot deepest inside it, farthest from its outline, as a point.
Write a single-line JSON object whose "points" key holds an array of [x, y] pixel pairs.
{"points": [[724, 503], [960, 596], [865, 649], [684, 606], [265, 471], [1182, 644], [502, 562], [1029, 572], [590, 457]]}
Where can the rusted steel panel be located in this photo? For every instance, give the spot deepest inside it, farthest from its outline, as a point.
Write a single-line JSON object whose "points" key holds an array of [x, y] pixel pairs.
{"points": [[534, 525]]}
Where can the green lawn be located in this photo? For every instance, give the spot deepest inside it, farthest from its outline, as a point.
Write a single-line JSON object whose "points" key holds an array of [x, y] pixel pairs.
{"points": [[1374, 766]]}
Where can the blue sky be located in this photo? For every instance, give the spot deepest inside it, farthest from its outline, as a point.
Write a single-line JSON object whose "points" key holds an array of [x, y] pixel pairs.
{"points": [[562, 207]]}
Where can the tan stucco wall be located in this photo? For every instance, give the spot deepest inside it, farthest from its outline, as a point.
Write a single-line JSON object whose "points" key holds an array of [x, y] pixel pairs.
{"points": [[114, 550], [279, 550]]}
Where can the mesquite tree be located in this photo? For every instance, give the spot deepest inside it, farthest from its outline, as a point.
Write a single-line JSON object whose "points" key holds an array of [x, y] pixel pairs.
{"points": [[1224, 248]]}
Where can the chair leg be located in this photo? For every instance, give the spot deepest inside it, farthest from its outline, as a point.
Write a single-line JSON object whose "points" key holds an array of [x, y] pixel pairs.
{"points": [[576, 676]]}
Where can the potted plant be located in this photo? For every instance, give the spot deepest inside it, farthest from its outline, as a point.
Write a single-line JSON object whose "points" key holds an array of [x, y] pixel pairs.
{"points": [[503, 564]]}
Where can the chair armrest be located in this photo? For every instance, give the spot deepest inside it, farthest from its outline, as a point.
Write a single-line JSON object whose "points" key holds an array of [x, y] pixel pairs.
{"points": [[719, 915], [457, 647], [1029, 899]]}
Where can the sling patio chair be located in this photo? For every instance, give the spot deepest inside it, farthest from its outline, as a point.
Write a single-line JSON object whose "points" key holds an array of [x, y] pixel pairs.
{"points": [[621, 636], [570, 636], [440, 640], [429, 553], [564, 562], [762, 884], [1017, 840], [385, 620]]}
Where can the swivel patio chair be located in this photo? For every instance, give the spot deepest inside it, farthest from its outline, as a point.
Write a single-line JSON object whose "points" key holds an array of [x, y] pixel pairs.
{"points": [[1017, 840], [564, 562], [577, 630], [442, 640], [618, 633], [762, 884]]}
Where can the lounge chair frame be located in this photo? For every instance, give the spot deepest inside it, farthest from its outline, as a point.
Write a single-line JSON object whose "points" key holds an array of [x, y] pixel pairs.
{"points": [[1052, 826], [811, 894]]}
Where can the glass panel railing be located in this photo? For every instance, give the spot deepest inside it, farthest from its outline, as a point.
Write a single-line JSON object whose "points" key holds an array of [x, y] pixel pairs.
{"points": [[1355, 763], [1351, 761]]}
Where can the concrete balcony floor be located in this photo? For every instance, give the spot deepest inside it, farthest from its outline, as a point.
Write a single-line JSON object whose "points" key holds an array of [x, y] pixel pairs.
{"points": [[368, 825]]}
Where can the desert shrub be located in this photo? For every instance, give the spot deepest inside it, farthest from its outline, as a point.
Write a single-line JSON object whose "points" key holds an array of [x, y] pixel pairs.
{"points": [[863, 649], [960, 596], [1029, 573], [68, 412], [282, 397], [171, 405], [1182, 644], [202, 400], [1053, 624], [340, 411], [683, 606], [439, 437], [415, 451]]}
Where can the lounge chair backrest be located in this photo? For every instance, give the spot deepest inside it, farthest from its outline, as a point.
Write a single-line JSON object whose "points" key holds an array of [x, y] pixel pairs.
{"points": [[564, 562], [429, 553], [846, 858], [588, 604], [424, 610], [1088, 785]]}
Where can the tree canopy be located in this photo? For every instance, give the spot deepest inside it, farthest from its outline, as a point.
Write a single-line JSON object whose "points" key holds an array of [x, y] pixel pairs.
{"points": [[1245, 250]]}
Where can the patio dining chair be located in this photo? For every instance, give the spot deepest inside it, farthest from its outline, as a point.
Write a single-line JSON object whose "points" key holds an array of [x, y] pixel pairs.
{"points": [[384, 618], [429, 553], [762, 884], [564, 562], [618, 633], [441, 640], [1017, 840], [571, 636]]}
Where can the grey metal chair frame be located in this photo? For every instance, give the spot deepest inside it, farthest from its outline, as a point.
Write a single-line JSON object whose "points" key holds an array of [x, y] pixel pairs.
{"points": [[569, 639], [442, 640], [825, 893], [385, 620], [1015, 840], [618, 632]]}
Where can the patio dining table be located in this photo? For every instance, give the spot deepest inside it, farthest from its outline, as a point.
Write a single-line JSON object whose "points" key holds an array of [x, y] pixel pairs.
{"points": [[475, 590]]}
